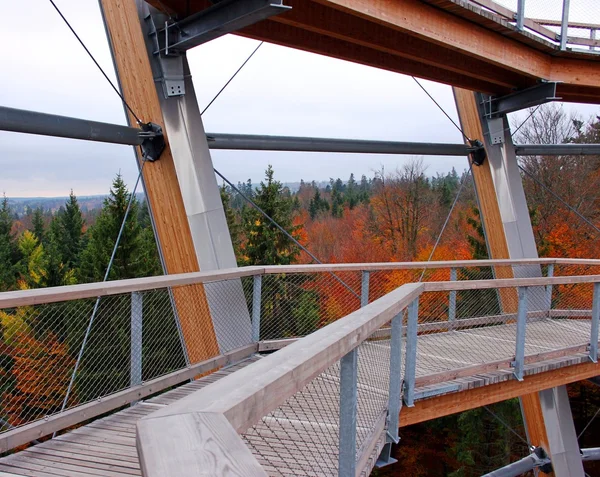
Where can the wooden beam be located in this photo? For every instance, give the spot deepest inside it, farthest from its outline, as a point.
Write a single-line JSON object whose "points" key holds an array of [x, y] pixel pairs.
{"points": [[468, 113], [295, 37], [537, 436], [448, 404], [160, 179], [311, 16]]}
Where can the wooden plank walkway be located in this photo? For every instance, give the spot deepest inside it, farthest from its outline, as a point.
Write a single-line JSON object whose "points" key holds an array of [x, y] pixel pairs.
{"points": [[300, 437]]}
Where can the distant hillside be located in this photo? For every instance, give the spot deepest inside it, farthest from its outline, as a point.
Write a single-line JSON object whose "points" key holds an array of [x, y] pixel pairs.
{"points": [[21, 205]]}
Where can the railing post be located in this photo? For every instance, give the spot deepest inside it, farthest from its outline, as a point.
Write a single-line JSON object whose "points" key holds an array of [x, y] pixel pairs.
{"points": [[595, 322], [520, 14], [348, 408], [364, 289], [411, 353], [452, 303], [136, 339], [521, 330], [564, 26], [395, 398], [593, 37], [256, 297], [549, 288]]}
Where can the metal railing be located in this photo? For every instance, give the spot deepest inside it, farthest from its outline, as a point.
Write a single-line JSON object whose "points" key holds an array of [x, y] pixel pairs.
{"points": [[552, 21], [151, 333], [328, 403]]}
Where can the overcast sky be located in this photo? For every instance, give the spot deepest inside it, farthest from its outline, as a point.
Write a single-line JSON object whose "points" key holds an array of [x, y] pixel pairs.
{"points": [[281, 92]]}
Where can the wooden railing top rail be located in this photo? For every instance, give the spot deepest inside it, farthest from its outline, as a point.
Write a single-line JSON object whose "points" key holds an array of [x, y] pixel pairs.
{"points": [[91, 290], [245, 397], [509, 283]]}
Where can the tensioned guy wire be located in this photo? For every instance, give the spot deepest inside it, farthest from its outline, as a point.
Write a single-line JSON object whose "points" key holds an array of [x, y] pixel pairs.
{"points": [[139, 121], [231, 79], [285, 232], [97, 304], [560, 199]]}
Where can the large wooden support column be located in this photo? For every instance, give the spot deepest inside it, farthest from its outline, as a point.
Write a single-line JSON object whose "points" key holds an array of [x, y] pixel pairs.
{"points": [[509, 235], [160, 178]]}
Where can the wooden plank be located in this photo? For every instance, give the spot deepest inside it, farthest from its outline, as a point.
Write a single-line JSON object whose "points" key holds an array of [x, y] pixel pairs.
{"points": [[212, 448], [92, 290], [447, 404], [536, 429], [29, 432]]}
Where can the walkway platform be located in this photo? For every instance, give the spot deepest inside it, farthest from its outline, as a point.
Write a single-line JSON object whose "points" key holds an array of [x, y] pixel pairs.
{"points": [[300, 437]]}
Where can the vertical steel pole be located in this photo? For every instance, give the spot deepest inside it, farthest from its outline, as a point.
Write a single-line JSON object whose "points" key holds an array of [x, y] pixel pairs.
{"points": [[256, 297], [521, 330], [348, 408], [595, 322], [549, 288], [520, 15], [136, 338], [452, 304], [395, 397], [592, 37], [364, 289], [411, 353], [564, 26]]}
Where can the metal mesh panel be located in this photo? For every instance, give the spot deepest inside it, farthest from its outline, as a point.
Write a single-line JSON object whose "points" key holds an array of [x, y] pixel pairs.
{"points": [[373, 387], [300, 438], [132, 338], [297, 304]]}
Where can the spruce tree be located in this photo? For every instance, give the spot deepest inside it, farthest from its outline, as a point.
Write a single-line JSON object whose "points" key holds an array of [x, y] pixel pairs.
{"points": [[9, 255], [266, 244], [232, 220], [71, 222], [132, 259], [37, 225]]}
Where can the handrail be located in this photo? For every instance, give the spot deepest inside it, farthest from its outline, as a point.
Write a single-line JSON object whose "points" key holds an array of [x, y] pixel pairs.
{"points": [[92, 290], [509, 283], [254, 391]]}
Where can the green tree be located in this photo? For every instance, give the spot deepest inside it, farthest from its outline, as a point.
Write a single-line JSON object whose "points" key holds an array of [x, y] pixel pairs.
{"points": [[37, 225], [9, 254], [232, 220], [72, 223], [132, 258], [265, 243]]}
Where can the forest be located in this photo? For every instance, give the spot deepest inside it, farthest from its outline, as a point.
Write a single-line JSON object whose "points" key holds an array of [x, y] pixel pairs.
{"points": [[393, 215]]}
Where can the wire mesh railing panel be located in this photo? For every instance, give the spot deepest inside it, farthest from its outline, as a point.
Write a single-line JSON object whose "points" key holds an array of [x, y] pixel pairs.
{"points": [[373, 388], [301, 437], [294, 305]]}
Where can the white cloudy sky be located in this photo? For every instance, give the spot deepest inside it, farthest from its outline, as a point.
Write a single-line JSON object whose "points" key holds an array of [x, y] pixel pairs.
{"points": [[279, 92]]}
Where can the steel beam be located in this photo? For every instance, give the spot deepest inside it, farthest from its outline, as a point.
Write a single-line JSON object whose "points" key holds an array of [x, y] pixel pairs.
{"points": [[590, 454], [149, 137], [348, 411], [224, 17], [249, 142], [33, 122], [557, 149], [244, 142], [539, 94], [536, 460]]}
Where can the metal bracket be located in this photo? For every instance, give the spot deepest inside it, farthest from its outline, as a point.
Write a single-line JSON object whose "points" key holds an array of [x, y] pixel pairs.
{"points": [[478, 154], [153, 143], [544, 92], [496, 129], [171, 74]]}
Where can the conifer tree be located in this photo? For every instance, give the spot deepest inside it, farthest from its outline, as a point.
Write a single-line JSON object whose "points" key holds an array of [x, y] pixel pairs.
{"points": [[132, 259], [232, 220], [9, 255], [72, 223], [265, 243], [37, 225]]}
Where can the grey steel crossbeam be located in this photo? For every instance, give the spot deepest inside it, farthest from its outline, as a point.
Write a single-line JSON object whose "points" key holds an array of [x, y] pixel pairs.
{"points": [[557, 149], [244, 142], [248, 142], [224, 17], [33, 122], [149, 137]]}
